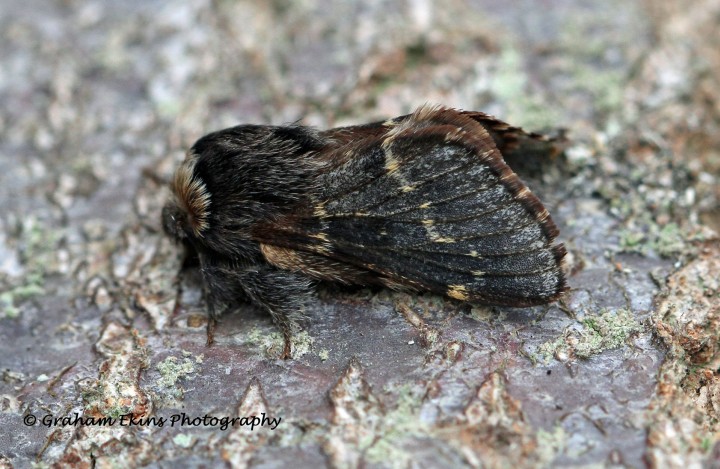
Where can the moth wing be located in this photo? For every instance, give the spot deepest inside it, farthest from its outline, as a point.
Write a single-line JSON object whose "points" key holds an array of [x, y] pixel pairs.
{"points": [[427, 202], [514, 143]]}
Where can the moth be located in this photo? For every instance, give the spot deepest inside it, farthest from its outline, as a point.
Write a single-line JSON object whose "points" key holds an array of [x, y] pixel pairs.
{"points": [[423, 202]]}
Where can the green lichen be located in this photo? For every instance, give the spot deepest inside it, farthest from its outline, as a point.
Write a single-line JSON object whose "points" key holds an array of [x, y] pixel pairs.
{"points": [[397, 426], [670, 241], [11, 298], [707, 444], [37, 248], [172, 369], [557, 348], [324, 354], [633, 241], [606, 86], [272, 343], [37, 245], [510, 85], [551, 444], [667, 241], [183, 440], [486, 314], [605, 331], [7, 302], [96, 399], [116, 411], [431, 336], [591, 71]]}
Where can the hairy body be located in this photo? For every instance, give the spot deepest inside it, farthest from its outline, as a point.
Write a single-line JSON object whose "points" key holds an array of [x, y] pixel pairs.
{"points": [[423, 202]]}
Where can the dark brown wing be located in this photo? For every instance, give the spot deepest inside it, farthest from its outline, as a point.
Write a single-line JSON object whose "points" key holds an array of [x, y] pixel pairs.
{"points": [[427, 202], [527, 153], [520, 149]]}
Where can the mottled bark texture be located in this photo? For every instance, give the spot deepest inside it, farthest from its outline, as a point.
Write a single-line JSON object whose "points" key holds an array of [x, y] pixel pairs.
{"points": [[100, 319]]}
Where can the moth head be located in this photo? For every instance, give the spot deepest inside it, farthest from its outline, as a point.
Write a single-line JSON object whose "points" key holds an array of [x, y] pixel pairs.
{"points": [[174, 221], [185, 216]]}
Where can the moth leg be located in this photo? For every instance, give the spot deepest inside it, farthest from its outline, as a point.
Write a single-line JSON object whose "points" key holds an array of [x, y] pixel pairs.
{"points": [[213, 313], [210, 331], [282, 294]]}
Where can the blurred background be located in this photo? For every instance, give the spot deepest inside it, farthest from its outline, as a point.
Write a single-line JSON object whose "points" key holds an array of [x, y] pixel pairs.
{"points": [[100, 100]]}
